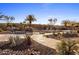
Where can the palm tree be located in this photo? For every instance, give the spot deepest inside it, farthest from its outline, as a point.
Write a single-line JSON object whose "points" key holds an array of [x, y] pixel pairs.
{"points": [[30, 19]]}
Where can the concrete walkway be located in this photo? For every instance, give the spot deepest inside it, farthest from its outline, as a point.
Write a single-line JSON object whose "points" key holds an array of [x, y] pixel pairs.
{"points": [[5, 37], [52, 43]]}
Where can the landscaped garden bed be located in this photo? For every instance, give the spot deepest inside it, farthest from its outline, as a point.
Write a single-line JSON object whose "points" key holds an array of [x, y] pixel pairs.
{"points": [[62, 35], [24, 46]]}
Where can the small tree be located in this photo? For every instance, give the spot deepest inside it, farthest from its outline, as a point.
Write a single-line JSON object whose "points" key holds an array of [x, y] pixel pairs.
{"points": [[52, 22], [8, 19]]}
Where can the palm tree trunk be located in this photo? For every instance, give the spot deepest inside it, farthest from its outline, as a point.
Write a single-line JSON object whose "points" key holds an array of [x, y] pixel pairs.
{"points": [[30, 22]]}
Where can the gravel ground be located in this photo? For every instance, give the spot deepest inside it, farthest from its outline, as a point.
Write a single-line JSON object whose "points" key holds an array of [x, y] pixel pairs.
{"points": [[19, 52], [7, 51]]}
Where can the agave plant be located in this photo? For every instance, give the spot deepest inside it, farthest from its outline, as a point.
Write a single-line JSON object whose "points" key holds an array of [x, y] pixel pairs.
{"points": [[66, 47]]}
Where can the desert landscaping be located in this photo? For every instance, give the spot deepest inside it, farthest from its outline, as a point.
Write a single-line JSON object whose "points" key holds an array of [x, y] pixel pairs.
{"points": [[23, 33], [29, 40]]}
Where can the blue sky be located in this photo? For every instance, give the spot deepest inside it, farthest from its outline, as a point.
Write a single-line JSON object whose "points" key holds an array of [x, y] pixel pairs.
{"points": [[42, 11]]}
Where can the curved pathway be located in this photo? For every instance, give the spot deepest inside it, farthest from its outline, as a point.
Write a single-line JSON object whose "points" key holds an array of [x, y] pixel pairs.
{"points": [[40, 38]]}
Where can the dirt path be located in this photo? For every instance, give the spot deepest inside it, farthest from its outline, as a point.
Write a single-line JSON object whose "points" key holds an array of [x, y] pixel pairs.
{"points": [[52, 43]]}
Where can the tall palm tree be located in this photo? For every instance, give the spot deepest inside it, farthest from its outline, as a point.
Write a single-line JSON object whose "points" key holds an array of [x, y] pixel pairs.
{"points": [[30, 19]]}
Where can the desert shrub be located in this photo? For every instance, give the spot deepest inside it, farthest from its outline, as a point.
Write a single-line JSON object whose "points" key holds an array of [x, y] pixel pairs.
{"points": [[19, 40], [29, 29], [70, 35], [15, 41], [78, 31], [42, 32], [12, 41], [29, 42], [1, 30], [54, 35], [66, 47]]}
